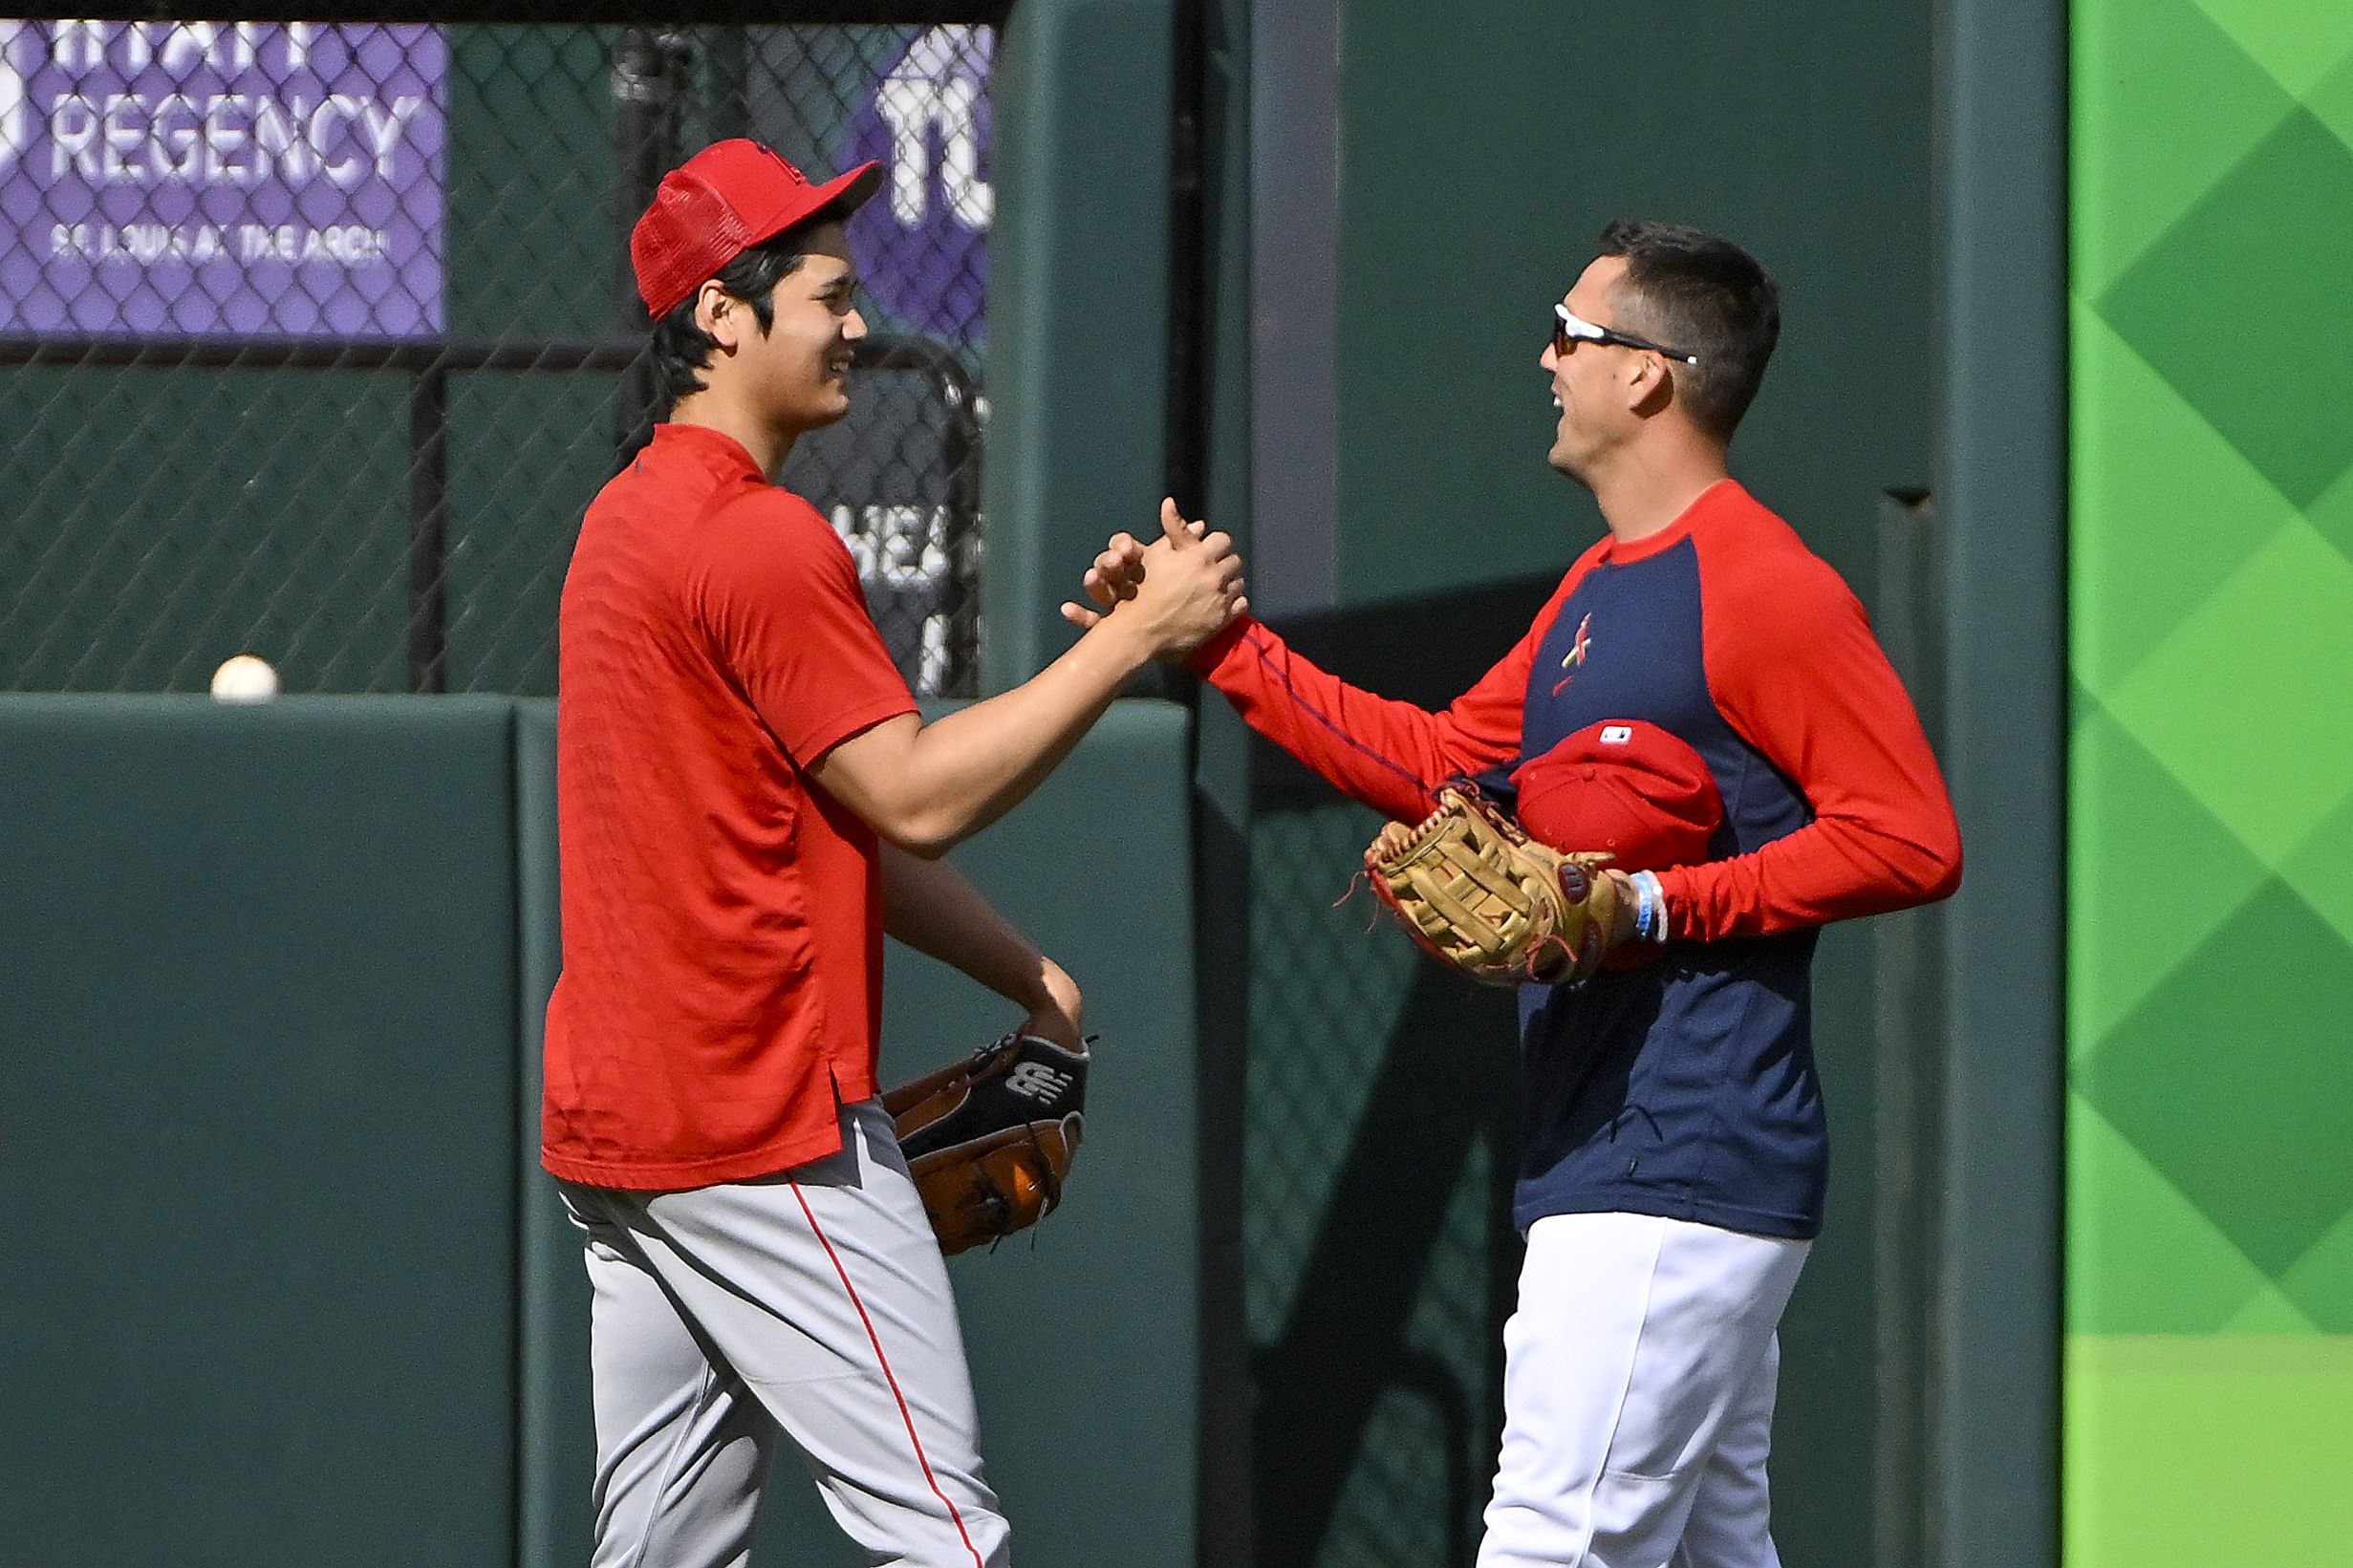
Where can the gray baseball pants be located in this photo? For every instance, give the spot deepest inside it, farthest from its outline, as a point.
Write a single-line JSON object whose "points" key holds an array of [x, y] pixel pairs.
{"points": [[809, 1309]]}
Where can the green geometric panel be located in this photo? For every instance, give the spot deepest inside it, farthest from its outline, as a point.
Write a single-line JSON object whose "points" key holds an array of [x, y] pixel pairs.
{"points": [[2333, 101], [2295, 40], [2247, 702], [2270, 1314], [2332, 513], [2142, 1260], [2241, 305], [2320, 869], [2139, 450], [2130, 925], [2228, 1452], [2228, 1079], [2322, 1281], [2140, 161]]}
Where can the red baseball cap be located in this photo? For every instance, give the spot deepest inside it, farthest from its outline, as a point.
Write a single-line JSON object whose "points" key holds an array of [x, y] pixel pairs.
{"points": [[720, 203], [1626, 786]]}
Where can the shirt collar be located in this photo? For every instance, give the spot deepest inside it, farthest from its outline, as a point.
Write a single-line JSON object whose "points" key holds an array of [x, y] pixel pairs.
{"points": [[1707, 503], [720, 453]]}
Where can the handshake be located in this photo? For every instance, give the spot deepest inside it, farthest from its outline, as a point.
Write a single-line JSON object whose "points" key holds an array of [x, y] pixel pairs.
{"points": [[1174, 594]]}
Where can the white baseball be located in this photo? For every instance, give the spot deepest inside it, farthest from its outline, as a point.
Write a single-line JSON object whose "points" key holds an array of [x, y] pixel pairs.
{"points": [[245, 678]]}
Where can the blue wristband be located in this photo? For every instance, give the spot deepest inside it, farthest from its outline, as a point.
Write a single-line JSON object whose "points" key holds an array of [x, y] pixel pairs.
{"points": [[1650, 908]]}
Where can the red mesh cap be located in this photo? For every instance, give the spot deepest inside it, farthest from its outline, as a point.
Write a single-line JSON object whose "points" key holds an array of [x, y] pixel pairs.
{"points": [[722, 201], [1624, 787]]}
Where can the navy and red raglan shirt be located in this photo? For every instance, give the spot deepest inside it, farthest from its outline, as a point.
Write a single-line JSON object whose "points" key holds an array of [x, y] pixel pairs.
{"points": [[1685, 1087]]}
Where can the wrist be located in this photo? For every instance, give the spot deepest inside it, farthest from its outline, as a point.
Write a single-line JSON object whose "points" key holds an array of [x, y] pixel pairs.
{"points": [[1050, 987], [1650, 918], [1122, 639], [1203, 661]]}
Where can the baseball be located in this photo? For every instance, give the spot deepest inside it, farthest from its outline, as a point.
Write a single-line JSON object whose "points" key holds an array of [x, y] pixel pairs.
{"points": [[245, 678]]}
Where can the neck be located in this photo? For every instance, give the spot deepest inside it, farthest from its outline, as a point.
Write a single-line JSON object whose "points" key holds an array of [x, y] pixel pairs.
{"points": [[768, 445], [1644, 487]]}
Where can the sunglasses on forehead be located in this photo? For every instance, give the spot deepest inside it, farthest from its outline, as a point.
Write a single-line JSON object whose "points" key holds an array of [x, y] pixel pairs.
{"points": [[1568, 330]]}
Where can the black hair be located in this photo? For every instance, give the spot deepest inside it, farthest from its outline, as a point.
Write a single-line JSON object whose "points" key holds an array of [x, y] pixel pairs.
{"points": [[682, 348], [1704, 295]]}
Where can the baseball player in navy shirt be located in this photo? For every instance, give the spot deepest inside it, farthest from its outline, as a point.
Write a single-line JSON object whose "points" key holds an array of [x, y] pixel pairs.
{"points": [[1673, 1152]]}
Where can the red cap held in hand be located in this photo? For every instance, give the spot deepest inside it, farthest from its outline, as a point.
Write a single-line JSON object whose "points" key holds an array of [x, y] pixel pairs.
{"points": [[720, 203], [1624, 786]]}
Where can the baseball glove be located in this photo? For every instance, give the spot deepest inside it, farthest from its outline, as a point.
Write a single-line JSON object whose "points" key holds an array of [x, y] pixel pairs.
{"points": [[1481, 895], [989, 1139]]}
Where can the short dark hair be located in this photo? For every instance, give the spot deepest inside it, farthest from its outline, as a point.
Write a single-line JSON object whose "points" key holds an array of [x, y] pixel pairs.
{"points": [[1705, 295], [682, 348]]}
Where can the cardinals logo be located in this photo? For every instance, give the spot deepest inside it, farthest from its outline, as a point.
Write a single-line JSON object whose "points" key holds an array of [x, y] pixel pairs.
{"points": [[1573, 660]]}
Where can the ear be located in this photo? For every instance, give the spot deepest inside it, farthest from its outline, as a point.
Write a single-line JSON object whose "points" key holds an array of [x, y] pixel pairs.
{"points": [[719, 314], [1649, 387]]}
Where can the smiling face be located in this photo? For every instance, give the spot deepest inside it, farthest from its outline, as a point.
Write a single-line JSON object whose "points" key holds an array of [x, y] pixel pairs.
{"points": [[1599, 388], [793, 376]]}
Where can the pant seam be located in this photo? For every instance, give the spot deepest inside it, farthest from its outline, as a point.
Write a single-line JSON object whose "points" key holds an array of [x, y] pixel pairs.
{"points": [[1617, 1410], [670, 1463]]}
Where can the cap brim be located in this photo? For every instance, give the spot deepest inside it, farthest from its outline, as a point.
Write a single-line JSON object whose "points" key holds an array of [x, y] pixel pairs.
{"points": [[844, 195], [836, 199]]}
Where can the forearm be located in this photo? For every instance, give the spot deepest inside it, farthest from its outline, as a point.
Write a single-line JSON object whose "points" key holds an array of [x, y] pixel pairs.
{"points": [[1832, 870], [926, 787], [929, 906], [972, 766], [1392, 756]]}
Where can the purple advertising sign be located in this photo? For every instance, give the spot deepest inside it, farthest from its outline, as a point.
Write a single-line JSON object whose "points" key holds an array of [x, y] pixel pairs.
{"points": [[222, 179], [922, 243]]}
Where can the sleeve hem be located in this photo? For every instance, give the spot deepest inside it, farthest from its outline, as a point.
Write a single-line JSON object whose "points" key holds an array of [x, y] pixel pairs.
{"points": [[816, 740], [1205, 660]]}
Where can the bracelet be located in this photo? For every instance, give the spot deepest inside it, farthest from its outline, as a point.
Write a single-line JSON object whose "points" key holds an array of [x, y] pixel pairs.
{"points": [[1649, 908]]}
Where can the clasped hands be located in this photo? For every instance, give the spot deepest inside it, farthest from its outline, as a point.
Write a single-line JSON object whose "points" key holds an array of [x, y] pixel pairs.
{"points": [[1184, 588]]}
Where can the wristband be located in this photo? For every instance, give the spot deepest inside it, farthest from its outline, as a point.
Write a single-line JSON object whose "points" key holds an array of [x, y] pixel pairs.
{"points": [[1649, 908]]}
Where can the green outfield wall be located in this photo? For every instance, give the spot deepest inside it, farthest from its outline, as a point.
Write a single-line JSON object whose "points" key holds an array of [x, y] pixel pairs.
{"points": [[2209, 1381], [291, 1287]]}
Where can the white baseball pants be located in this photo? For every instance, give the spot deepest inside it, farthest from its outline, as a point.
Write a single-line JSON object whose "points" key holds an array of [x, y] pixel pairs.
{"points": [[812, 1309], [1639, 1372]]}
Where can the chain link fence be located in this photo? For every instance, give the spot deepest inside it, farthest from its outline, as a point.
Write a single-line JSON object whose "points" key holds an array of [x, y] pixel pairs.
{"points": [[1377, 1248], [318, 338]]}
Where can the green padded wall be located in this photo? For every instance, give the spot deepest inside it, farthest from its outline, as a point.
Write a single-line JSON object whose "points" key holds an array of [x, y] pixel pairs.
{"points": [[1078, 309], [2209, 1255], [295, 1289], [555, 1424], [1081, 1338], [257, 1075]]}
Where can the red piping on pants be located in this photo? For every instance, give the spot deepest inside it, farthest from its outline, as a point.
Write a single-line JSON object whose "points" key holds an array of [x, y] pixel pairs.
{"points": [[888, 1376]]}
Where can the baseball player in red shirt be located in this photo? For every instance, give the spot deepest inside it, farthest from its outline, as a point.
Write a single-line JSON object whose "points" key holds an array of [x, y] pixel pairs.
{"points": [[1703, 696], [748, 802]]}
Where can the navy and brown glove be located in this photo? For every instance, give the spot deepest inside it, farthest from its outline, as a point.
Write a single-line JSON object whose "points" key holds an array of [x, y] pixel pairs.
{"points": [[989, 1139]]}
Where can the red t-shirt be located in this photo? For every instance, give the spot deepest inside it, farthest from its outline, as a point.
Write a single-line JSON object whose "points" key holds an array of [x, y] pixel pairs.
{"points": [[722, 936]]}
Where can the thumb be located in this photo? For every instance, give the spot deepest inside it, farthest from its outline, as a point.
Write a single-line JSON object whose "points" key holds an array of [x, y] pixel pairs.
{"points": [[1172, 522]]}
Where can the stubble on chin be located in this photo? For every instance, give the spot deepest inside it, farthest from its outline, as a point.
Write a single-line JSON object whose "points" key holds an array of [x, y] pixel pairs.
{"points": [[1562, 454]]}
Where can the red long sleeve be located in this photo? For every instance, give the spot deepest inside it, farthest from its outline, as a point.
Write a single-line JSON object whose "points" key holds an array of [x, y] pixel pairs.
{"points": [[1794, 669], [1390, 755]]}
